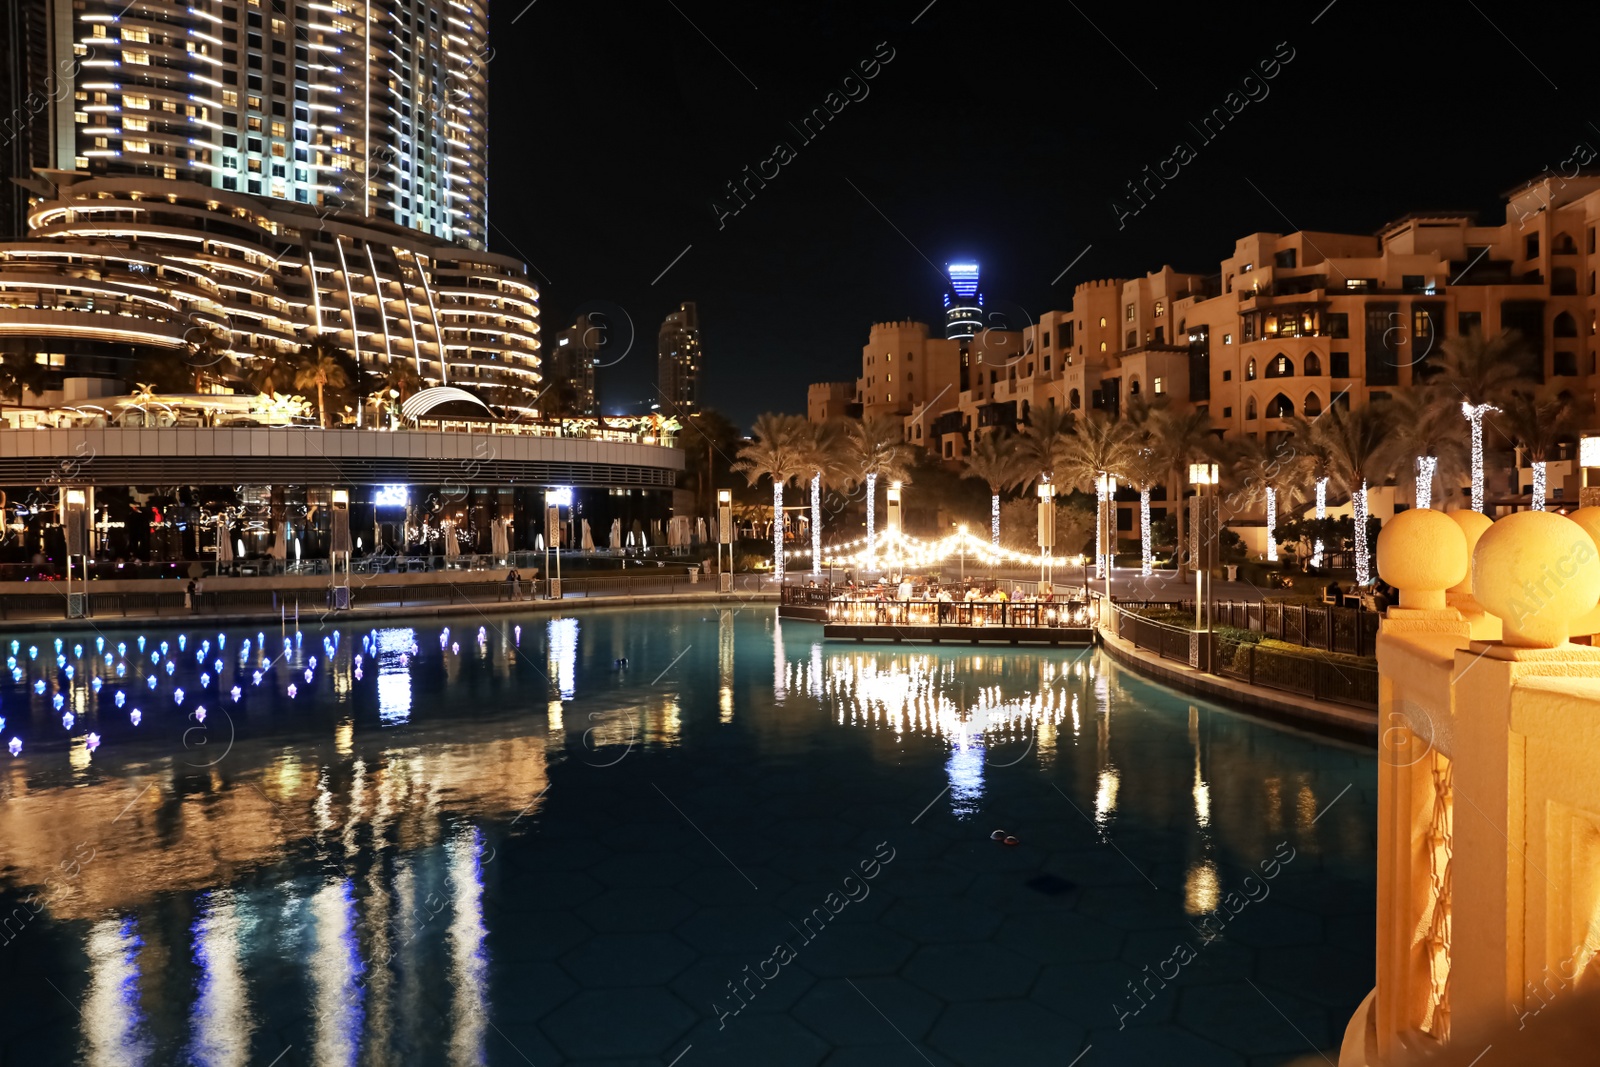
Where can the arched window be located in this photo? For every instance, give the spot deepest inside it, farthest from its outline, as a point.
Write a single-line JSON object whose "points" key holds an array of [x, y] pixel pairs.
{"points": [[1280, 407], [1565, 325], [1073, 401], [1133, 386], [1250, 370], [1280, 367], [1313, 405], [1250, 409], [1313, 365]]}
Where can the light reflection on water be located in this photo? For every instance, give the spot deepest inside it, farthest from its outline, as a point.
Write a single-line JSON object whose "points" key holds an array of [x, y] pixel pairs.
{"points": [[336, 862]]}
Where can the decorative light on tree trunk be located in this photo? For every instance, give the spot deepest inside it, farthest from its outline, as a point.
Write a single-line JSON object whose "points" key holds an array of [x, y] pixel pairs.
{"points": [[1144, 533], [1272, 525], [872, 500], [1426, 465], [1322, 513], [777, 529], [994, 519], [1099, 527], [1475, 414], [1538, 486], [1358, 504], [816, 524]]}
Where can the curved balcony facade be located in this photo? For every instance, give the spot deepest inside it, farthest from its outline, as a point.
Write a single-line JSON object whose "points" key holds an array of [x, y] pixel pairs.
{"points": [[115, 268]]}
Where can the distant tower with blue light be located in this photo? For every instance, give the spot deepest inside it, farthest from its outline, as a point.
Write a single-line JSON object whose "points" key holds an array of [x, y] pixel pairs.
{"points": [[963, 304]]}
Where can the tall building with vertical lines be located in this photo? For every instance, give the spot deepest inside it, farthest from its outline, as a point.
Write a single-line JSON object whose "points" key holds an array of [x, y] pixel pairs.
{"points": [[678, 362], [267, 171]]}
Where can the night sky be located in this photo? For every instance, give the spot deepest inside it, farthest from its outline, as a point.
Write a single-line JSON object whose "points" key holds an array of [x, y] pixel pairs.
{"points": [[999, 132]]}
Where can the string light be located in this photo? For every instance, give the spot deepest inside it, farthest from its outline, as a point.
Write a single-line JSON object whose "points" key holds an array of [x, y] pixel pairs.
{"points": [[1538, 486], [896, 550], [1426, 465], [816, 524], [1272, 525], [994, 519], [1358, 504], [777, 528], [872, 501], [1148, 564], [1322, 513], [1475, 414]]}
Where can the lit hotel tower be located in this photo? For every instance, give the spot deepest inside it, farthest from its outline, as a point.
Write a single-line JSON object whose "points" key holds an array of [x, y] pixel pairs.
{"points": [[678, 362], [371, 108], [963, 304]]}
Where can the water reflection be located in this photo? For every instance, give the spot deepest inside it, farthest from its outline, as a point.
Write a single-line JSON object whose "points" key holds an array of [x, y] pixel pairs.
{"points": [[335, 960], [348, 878], [469, 964], [112, 1020], [221, 1021]]}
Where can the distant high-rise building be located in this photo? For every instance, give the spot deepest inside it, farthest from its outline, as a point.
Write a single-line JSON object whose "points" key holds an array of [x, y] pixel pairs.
{"points": [[963, 304], [569, 371], [35, 105], [678, 362], [371, 107]]}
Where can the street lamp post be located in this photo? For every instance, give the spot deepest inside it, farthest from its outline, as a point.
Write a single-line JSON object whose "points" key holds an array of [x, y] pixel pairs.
{"points": [[1106, 491], [1047, 526], [1204, 478], [725, 537]]}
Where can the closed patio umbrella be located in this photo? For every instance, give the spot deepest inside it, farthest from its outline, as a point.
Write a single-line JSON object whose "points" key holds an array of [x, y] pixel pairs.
{"points": [[452, 546], [280, 546], [497, 538], [700, 530], [588, 537], [224, 546], [615, 542]]}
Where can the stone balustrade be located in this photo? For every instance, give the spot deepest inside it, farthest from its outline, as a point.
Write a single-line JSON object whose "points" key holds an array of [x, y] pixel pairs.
{"points": [[1489, 790]]}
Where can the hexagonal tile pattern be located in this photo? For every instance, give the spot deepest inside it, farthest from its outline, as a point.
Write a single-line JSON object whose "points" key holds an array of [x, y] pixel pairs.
{"points": [[972, 972], [618, 1022], [1005, 1034]]}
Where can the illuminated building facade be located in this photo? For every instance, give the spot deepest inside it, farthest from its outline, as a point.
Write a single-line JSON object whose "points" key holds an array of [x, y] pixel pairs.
{"points": [[569, 370], [678, 362], [1287, 325], [963, 304], [376, 108], [116, 268]]}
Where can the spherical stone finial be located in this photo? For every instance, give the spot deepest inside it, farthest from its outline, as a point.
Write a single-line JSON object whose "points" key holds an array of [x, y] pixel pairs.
{"points": [[1589, 519], [1473, 524], [1422, 553], [1538, 571]]}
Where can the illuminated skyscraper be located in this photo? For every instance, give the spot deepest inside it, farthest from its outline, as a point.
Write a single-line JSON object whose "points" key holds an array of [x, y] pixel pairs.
{"points": [[963, 304], [678, 362], [368, 107]]}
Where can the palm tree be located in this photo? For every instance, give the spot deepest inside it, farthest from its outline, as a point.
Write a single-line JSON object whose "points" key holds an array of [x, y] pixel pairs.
{"points": [[1307, 442], [995, 458], [877, 447], [1429, 436], [1482, 372], [398, 382], [1185, 435], [1539, 427], [1098, 446], [775, 452], [208, 356], [1046, 442], [1359, 451], [270, 370], [823, 448], [322, 369], [1269, 472], [21, 374]]}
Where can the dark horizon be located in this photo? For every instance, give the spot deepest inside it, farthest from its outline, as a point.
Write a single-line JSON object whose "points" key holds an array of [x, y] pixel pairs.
{"points": [[1008, 138]]}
